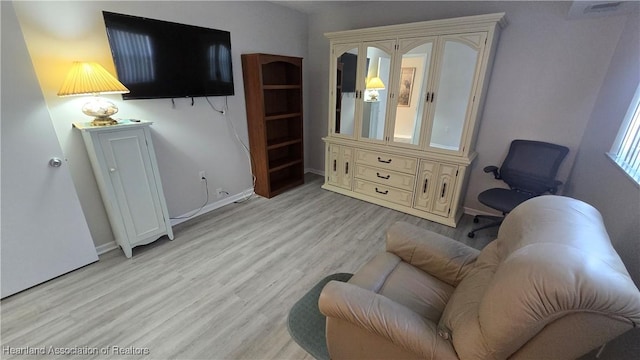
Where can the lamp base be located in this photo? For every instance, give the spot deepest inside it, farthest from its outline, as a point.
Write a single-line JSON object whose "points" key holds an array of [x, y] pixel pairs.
{"points": [[102, 110], [104, 121], [372, 95]]}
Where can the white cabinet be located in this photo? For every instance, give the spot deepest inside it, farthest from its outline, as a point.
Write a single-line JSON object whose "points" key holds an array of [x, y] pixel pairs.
{"points": [[340, 169], [126, 169], [436, 185], [414, 93]]}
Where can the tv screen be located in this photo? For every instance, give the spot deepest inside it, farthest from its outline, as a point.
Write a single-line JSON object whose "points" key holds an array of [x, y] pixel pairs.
{"points": [[161, 59]]}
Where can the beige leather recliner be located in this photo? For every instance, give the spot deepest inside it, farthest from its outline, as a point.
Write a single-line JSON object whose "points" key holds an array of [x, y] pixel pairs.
{"points": [[550, 286]]}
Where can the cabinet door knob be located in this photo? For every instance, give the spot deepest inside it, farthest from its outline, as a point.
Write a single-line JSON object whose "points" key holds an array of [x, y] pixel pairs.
{"points": [[112, 169], [55, 162]]}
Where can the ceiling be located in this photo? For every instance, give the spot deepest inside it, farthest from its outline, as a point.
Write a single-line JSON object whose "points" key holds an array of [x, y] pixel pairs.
{"points": [[593, 9], [312, 7], [578, 9]]}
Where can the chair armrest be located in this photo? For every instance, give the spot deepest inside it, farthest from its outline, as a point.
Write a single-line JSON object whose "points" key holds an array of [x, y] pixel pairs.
{"points": [[494, 170], [385, 318], [446, 259], [554, 188]]}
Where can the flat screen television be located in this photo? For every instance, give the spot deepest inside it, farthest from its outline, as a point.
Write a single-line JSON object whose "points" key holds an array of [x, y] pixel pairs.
{"points": [[161, 59]]}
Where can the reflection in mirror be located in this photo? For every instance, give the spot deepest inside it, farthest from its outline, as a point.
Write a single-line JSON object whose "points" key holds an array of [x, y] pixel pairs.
{"points": [[346, 91], [137, 62], [454, 88], [413, 86], [375, 95]]}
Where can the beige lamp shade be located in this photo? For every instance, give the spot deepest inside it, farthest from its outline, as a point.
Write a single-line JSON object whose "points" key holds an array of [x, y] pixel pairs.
{"points": [[375, 83], [90, 78]]}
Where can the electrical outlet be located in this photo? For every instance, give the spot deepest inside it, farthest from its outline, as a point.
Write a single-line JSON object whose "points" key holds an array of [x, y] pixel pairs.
{"points": [[202, 175], [220, 192]]}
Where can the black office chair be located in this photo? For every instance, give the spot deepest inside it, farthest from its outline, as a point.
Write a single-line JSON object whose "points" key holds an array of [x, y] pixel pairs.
{"points": [[530, 170]]}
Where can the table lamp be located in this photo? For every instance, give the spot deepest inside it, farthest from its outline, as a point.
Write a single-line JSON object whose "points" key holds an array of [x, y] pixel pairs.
{"points": [[90, 78]]}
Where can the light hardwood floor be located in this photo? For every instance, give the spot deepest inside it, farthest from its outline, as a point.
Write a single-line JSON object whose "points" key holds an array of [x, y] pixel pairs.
{"points": [[221, 290]]}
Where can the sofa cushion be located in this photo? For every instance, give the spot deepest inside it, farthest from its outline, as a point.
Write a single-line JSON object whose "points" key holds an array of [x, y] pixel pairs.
{"points": [[446, 259], [409, 286]]}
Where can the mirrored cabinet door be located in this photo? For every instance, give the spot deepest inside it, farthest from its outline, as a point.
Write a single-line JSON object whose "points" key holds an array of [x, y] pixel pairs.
{"points": [[458, 66], [412, 86], [346, 63], [376, 81]]}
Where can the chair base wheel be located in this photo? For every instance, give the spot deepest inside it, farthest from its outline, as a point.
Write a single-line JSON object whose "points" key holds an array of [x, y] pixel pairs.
{"points": [[476, 220], [471, 235]]}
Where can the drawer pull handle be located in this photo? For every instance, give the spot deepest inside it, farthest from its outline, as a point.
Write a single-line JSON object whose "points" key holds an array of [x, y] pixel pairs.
{"points": [[444, 189], [346, 168], [424, 188], [382, 192], [384, 161], [335, 165], [383, 177]]}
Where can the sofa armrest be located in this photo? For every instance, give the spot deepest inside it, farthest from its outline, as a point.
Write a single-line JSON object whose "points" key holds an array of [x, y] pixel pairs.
{"points": [[444, 258], [385, 318]]}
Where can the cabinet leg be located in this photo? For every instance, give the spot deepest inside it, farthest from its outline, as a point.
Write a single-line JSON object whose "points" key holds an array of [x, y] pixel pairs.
{"points": [[127, 251]]}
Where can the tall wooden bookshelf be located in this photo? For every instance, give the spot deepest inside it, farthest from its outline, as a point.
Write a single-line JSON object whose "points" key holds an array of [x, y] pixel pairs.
{"points": [[273, 94]]}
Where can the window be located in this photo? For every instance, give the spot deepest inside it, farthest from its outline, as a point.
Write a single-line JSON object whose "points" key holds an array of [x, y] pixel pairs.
{"points": [[626, 148]]}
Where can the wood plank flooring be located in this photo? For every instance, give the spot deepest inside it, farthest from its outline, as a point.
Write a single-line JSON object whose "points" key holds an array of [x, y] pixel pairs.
{"points": [[221, 290]]}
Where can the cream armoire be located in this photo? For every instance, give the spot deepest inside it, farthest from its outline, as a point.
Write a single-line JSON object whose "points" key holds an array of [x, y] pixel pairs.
{"points": [[404, 108]]}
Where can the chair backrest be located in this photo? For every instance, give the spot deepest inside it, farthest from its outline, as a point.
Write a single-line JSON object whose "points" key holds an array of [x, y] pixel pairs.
{"points": [[551, 286], [531, 166]]}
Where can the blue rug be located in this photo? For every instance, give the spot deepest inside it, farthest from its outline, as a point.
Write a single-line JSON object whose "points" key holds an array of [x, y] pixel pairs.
{"points": [[307, 324]]}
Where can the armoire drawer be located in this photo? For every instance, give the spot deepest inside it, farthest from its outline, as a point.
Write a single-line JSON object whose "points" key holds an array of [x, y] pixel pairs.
{"points": [[387, 161], [385, 177], [383, 192]]}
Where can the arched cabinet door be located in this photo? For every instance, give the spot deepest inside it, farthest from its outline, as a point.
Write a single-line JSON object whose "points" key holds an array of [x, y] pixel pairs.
{"points": [[458, 67], [409, 103], [343, 89], [375, 89]]}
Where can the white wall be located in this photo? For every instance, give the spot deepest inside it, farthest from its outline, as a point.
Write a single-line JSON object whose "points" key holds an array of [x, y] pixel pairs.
{"points": [[187, 139], [545, 80], [595, 178]]}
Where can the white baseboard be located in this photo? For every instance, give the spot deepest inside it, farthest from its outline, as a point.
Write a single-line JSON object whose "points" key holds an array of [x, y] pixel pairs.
{"points": [[101, 249], [314, 171], [214, 205]]}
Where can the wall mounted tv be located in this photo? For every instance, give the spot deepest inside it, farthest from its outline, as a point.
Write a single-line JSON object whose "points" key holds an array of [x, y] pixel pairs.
{"points": [[161, 59]]}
